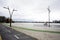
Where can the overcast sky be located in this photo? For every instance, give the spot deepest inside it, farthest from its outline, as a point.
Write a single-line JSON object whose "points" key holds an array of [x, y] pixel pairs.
{"points": [[31, 9]]}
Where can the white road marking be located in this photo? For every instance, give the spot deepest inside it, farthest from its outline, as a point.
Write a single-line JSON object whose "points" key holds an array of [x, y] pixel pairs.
{"points": [[16, 36]]}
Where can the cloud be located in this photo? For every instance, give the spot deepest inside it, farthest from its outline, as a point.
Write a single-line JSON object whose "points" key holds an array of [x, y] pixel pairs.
{"points": [[32, 9]]}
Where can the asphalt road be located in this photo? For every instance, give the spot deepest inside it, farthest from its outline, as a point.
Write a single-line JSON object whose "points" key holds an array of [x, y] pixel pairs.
{"points": [[11, 34]]}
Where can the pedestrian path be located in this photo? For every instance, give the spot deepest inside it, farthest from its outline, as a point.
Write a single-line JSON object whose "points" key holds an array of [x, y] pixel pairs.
{"points": [[11, 34]]}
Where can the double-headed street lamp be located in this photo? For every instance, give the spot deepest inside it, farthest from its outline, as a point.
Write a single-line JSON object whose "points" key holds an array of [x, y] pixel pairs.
{"points": [[11, 13]]}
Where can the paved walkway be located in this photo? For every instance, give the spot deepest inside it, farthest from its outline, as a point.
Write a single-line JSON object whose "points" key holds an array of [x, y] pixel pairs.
{"points": [[40, 35], [11, 34]]}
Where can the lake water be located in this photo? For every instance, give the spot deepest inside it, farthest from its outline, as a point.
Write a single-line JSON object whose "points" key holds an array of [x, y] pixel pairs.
{"points": [[38, 26], [57, 25]]}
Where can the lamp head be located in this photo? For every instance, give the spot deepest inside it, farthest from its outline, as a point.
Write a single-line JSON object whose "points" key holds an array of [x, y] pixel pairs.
{"points": [[14, 10], [6, 8]]}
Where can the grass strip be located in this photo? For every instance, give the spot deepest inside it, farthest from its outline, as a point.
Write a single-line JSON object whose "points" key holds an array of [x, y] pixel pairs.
{"points": [[37, 30]]}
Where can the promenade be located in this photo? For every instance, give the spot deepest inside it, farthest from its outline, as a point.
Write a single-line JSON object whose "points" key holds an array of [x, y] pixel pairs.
{"points": [[11, 34]]}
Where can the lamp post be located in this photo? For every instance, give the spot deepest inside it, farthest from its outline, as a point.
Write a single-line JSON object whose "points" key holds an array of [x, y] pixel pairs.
{"points": [[11, 13], [48, 15]]}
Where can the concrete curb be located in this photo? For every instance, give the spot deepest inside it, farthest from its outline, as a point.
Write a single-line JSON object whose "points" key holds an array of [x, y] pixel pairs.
{"points": [[0, 37]]}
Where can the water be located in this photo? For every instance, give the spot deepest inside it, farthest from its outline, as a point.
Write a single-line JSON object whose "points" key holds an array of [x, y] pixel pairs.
{"points": [[39, 26], [55, 25]]}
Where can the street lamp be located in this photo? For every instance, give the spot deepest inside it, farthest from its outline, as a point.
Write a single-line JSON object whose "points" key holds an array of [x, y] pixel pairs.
{"points": [[48, 15], [11, 13]]}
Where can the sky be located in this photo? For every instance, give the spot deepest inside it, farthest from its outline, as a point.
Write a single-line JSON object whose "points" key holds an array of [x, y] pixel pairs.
{"points": [[32, 10]]}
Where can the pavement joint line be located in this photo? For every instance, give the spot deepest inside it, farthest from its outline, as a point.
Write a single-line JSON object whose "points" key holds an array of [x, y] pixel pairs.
{"points": [[16, 36]]}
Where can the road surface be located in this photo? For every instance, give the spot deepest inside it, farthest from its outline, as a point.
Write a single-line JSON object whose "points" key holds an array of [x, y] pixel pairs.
{"points": [[11, 34]]}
